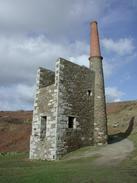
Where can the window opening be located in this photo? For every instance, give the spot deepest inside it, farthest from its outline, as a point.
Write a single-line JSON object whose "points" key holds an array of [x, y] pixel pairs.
{"points": [[71, 121], [89, 93], [43, 126]]}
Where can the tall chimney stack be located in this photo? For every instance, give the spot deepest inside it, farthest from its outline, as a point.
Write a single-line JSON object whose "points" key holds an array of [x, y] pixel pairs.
{"points": [[94, 41], [95, 60]]}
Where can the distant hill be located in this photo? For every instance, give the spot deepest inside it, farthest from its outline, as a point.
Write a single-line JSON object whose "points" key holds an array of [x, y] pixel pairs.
{"points": [[15, 127], [119, 116]]}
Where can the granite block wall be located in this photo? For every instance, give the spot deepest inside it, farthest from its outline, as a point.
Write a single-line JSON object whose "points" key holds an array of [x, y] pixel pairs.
{"points": [[69, 110], [75, 99], [43, 146]]}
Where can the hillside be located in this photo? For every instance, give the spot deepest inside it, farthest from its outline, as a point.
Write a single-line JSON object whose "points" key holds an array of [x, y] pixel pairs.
{"points": [[15, 127], [120, 115]]}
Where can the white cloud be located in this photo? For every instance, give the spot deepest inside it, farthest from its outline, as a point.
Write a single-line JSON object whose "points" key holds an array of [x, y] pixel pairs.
{"points": [[117, 100], [123, 46], [16, 97], [80, 60], [20, 57], [108, 67], [55, 16], [35, 33], [25, 92], [113, 94]]}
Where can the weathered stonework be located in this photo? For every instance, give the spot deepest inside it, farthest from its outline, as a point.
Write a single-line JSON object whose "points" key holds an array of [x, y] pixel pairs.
{"points": [[69, 107], [44, 105], [71, 95], [73, 100], [100, 117]]}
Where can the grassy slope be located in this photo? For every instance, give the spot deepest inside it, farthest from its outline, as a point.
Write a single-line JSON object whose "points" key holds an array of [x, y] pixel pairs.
{"points": [[17, 167]]}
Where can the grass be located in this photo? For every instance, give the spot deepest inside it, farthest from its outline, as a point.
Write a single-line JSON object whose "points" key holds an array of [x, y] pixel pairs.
{"points": [[80, 152], [17, 168]]}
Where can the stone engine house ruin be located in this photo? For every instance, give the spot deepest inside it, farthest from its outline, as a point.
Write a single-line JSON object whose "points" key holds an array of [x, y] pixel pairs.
{"points": [[69, 108]]}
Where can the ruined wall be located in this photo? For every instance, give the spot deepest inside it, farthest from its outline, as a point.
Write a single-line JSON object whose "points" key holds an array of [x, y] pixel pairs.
{"points": [[43, 146], [75, 98], [45, 77]]}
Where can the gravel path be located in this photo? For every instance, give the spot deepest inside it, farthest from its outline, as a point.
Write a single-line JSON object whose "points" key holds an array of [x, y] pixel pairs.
{"points": [[111, 154]]}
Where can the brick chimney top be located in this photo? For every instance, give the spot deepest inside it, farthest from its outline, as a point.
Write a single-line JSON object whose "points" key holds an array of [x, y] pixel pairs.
{"points": [[94, 21], [94, 40]]}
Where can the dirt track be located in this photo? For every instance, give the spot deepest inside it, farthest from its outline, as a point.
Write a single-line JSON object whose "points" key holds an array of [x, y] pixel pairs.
{"points": [[111, 154], [114, 153]]}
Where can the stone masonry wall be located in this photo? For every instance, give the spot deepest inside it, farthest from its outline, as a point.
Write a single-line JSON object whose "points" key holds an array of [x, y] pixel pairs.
{"points": [[45, 77], [100, 117], [75, 98], [44, 105]]}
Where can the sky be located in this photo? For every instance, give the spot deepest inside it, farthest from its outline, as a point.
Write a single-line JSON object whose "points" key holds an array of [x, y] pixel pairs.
{"points": [[36, 32]]}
